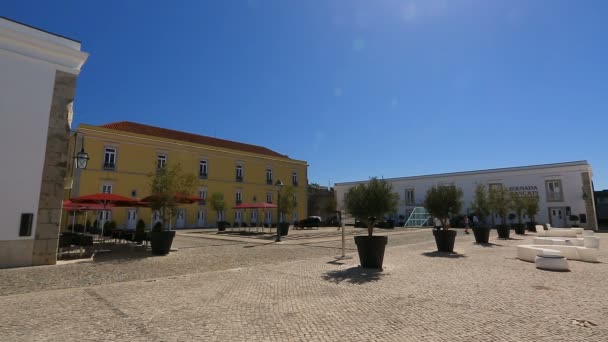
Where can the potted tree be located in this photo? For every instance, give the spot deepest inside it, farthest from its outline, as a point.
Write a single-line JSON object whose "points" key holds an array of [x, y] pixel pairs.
{"points": [[218, 205], [499, 205], [287, 205], [481, 207], [441, 202], [531, 209], [518, 205], [140, 231], [371, 200], [166, 185]]}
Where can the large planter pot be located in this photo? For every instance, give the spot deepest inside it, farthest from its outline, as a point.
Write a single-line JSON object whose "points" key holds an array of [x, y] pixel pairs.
{"points": [[503, 231], [284, 228], [221, 226], [445, 240], [371, 250], [161, 241], [531, 226], [519, 228], [482, 234]]}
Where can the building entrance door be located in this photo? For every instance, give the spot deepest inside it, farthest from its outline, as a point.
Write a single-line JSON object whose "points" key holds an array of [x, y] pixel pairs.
{"points": [[180, 218], [200, 218], [131, 218], [557, 216]]}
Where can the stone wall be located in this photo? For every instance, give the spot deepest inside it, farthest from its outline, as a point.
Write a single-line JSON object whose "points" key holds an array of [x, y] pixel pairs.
{"points": [[589, 205], [54, 172]]}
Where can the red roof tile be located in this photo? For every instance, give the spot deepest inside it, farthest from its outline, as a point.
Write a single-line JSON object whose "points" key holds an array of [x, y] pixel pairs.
{"points": [[136, 128]]}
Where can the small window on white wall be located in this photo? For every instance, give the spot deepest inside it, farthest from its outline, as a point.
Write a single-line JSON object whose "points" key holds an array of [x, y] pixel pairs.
{"points": [[554, 190], [106, 188], [409, 196]]}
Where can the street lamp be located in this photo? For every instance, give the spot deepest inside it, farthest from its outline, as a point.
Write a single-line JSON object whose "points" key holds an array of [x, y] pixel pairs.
{"points": [[279, 185], [82, 158]]}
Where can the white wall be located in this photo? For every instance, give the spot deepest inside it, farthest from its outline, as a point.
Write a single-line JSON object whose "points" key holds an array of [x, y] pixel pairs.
{"points": [[570, 176], [26, 90]]}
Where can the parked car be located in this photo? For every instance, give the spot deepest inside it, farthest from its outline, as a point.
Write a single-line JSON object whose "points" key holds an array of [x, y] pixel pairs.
{"points": [[309, 222]]}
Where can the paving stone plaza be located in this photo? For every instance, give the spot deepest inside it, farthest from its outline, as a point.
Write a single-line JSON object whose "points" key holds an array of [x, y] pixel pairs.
{"points": [[248, 288]]}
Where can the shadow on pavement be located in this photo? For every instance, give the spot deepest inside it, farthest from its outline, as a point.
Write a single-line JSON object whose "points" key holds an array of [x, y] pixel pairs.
{"points": [[489, 244], [437, 254], [121, 253], [353, 275]]}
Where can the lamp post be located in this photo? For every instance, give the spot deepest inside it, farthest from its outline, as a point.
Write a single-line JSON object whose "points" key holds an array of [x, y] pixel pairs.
{"points": [[279, 185]]}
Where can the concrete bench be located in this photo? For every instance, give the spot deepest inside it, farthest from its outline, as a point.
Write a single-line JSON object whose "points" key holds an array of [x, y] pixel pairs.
{"points": [[578, 230], [551, 263], [554, 232], [525, 252], [559, 241]]}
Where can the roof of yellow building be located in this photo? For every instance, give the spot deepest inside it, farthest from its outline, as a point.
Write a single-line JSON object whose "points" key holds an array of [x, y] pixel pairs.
{"points": [[132, 127]]}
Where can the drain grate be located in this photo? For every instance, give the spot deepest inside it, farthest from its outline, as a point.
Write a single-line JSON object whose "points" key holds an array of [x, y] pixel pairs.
{"points": [[583, 323]]}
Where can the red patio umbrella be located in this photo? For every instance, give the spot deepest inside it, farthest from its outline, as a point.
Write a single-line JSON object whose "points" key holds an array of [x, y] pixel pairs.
{"points": [[179, 198], [262, 205], [105, 200]]}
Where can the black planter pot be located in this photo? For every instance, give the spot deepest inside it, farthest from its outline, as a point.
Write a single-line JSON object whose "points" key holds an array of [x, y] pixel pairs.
{"points": [[503, 231], [161, 241], [482, 234], [531, 226], [371, 250], [445, 240], [519, 228], [284, 228]]}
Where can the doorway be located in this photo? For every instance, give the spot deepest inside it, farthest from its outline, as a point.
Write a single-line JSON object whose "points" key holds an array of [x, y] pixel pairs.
{"points": [[557, 217], [201, 218], [131, 218], [180, 218]]}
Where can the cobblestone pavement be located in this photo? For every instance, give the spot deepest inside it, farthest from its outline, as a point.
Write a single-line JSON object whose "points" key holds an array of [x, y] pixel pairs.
{"points": [[480, 294]]}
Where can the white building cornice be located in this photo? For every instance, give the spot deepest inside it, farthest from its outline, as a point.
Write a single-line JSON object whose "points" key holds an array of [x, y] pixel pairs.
{"points": [[26, 41]]}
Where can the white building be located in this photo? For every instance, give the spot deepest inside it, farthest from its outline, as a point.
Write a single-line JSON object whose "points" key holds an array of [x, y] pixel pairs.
{"points": [[38, 73], [563, 189]]}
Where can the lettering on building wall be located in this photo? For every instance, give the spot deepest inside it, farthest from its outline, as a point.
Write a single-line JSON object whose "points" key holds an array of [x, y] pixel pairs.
{"points": [[525, 190]]}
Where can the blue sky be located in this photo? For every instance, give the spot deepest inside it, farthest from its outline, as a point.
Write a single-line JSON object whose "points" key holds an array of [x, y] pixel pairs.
{"points": [[356, 88]]}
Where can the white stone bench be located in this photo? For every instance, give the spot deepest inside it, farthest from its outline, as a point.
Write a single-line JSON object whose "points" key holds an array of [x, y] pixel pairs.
{"points": [[559, 241], [578, 230], [554, 232], [551, 263], [525, 252]]}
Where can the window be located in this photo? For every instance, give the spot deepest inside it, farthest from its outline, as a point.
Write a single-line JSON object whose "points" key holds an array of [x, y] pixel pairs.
{"points": [[161, 161], [239, 173], [294, 178], [109, 158], [106, 188], [269, 197], [582, 218], [268, 176], [554, 190], [493, 186], [202, 193], [202, 169], [409, 197], [295, 200], [133, 193], [239, 197]]}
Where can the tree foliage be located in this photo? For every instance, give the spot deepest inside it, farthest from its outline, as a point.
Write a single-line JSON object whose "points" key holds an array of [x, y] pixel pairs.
{"points": [[517, 204], [166, 185], [373, 199], [480, 202], [287, 202], [442, 201], [531, 206], [499, 200], [216, 201]]}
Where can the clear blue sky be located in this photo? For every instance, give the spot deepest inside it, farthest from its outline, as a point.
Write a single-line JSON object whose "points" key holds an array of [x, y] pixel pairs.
{"points": [[356, 88]]}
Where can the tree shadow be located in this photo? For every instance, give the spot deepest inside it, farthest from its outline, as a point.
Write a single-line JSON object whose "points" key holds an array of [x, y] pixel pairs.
{"points": [[354, 275], [449, 255], [489, 244]]}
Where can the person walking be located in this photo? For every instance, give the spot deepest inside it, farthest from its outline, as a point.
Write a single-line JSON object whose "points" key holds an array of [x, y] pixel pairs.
{"points": [[466, 224]]}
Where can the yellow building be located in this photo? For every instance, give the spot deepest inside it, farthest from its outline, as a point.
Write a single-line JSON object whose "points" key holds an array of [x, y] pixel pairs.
{"points": [[124, 154]]}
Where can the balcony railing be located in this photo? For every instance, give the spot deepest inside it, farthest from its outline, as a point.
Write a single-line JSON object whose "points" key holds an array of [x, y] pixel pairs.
{"points": [[239, 201], [239, 178], [202, 202], [202, 175], [268, 181], [295, 183], [109, 166]]}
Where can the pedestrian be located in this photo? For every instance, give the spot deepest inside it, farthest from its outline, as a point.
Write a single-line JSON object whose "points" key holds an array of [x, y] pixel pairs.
{"points": [[475, 220], [466, 224], [437, 223]]}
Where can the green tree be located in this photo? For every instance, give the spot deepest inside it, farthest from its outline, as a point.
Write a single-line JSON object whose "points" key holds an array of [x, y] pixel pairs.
{"points": [[480, 202], [442, 201], [499, 202], [216, 201], [331, 206], [287, 202], [373, 199], [518, 204], [166, 186], [531, 206]]}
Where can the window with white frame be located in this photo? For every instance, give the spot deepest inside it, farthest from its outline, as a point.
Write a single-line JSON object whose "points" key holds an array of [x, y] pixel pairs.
{"points": [[202, 169], [239, 173], [254, 216], [554, 190], [268, 217], [409, 196], [294, 178], [239, 197], [109, 158], [202, 194], [238, 216], [269, 197], [268, 175], [161, 161], [106, 188]]}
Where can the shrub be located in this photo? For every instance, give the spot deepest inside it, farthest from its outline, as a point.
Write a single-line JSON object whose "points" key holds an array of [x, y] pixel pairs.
{"points": [[158, 227], [443, 201], [371, 200]]}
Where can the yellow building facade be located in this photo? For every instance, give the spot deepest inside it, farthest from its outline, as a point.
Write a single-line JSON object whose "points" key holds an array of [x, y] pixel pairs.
{"points": [[123, 155]]}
